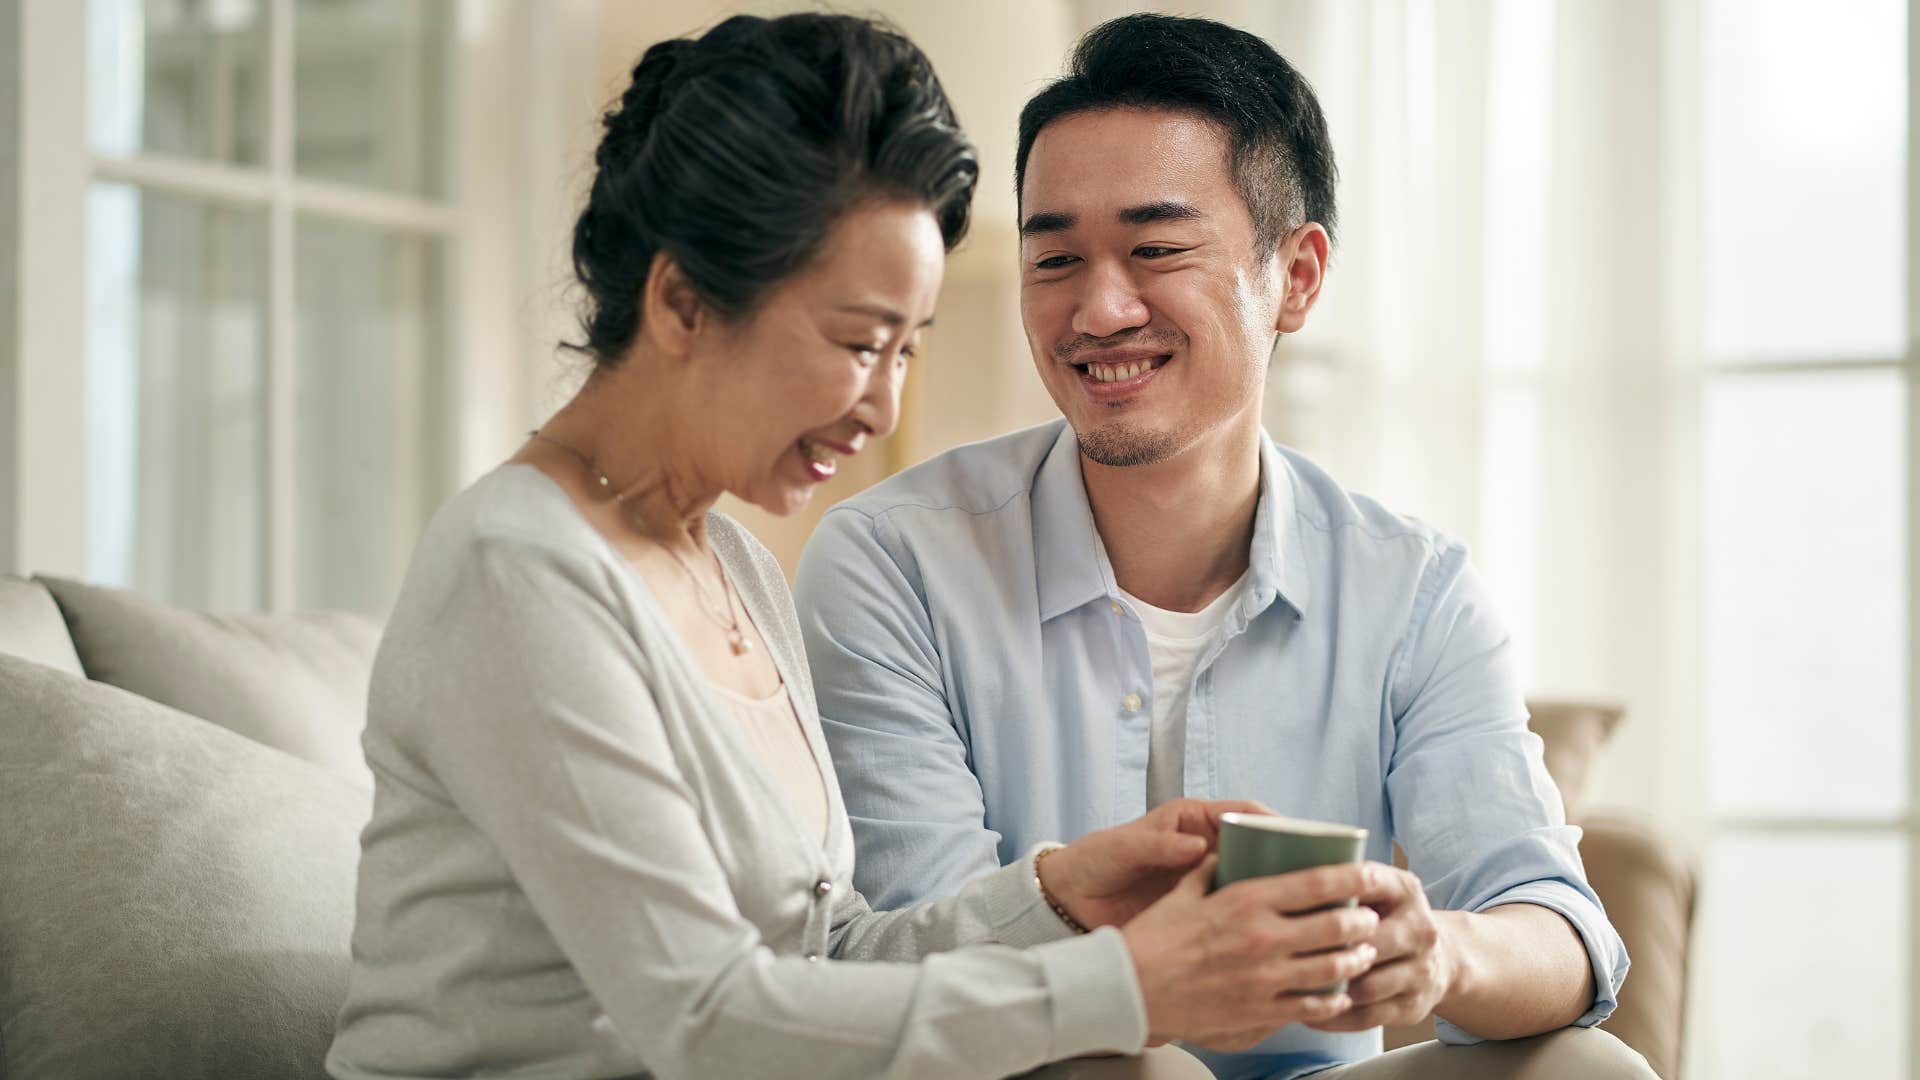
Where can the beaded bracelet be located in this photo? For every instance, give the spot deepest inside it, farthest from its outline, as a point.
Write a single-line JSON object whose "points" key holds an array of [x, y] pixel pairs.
{"points": [[1065, 917]]}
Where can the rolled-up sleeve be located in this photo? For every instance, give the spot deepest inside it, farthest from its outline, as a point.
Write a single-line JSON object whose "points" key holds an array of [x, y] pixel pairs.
{"points": [[1481, 821]]}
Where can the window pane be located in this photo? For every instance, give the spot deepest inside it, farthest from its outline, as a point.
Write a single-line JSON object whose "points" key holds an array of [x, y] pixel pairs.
{"points": [[175, 397], [367, 380], [1806, 586], [179, 77], [369, 106], [1802, 957], [1805, 127]]}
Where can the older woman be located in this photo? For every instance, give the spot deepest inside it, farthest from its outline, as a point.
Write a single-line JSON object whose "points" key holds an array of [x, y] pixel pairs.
{"points": [[606, 838]]}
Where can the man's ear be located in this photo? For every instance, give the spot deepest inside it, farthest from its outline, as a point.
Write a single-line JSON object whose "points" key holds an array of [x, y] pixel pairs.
{"points": [[1303, 269], [671, 312]]}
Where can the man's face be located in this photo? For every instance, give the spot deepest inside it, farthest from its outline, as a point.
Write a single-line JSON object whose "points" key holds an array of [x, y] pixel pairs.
{"points": [[1149, 316]]}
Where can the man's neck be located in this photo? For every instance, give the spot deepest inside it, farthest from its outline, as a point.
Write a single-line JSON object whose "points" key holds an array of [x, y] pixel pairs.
{"points": [[1178, 532]]}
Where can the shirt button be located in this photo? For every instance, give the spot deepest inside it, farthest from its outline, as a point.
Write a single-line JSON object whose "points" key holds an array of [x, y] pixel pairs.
{"points": [[822, 887], [1131, 703], [1117, 609]]}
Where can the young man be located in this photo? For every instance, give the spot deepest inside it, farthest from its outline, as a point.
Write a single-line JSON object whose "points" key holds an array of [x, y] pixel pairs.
{"points": [[1050, 632]]}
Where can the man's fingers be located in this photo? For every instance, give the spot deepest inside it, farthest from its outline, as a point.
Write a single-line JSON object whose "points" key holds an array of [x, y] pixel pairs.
{"points": [[1404, 932], [1309, 1008], [1390, 887], [1384, 982], [1304, 974], [1334, 929]]}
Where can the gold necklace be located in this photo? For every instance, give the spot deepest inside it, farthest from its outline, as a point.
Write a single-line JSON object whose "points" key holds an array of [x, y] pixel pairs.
{"points": [[736, 638]]}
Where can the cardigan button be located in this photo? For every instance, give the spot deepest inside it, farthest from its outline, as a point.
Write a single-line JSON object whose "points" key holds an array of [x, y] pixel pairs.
{"points": [[822, 887], [813, 958]]}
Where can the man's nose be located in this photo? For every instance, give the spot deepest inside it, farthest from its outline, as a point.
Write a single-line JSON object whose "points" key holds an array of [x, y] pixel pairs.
{"points": [[1109, 303]]}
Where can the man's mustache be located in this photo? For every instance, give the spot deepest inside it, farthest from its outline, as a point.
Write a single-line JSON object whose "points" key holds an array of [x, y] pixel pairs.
{"points": [[1158, 342]]}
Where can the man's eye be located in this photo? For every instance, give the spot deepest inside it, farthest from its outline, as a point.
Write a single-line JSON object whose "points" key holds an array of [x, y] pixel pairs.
{"points": [[1151, 252], [1053, 262]]}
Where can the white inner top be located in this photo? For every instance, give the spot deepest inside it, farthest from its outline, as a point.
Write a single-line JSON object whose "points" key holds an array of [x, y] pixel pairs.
{"points": [[1176, 643]]}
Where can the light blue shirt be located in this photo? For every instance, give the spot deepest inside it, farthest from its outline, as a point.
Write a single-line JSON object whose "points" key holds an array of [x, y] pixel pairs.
{"points": [[983, 687]]}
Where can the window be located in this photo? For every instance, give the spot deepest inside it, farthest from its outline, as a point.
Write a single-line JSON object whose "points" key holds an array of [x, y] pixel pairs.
{"points": [[1809, 440], [267, 225], [268, 220]]}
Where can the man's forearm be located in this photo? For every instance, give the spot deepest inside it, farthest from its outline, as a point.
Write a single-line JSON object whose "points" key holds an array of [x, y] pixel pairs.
{"points": [[1518, 970]]}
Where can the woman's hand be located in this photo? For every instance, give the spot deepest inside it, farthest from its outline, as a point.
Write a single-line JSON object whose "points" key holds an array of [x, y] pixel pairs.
{"points": [[1106, 878], [1225, 970]]}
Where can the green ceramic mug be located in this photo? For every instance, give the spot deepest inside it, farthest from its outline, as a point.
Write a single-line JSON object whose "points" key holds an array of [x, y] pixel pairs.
{"points": [[1256, 845]]}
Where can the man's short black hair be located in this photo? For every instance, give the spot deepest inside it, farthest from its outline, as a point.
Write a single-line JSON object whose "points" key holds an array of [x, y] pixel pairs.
{"points": [[1280, 155]]}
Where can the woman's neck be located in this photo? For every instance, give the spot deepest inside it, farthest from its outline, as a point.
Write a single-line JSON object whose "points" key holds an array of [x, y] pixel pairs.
{"points": [[628, 422]]}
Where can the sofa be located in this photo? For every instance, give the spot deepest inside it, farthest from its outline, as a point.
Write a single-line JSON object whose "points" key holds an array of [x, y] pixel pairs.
{"points": [[182, 796]]}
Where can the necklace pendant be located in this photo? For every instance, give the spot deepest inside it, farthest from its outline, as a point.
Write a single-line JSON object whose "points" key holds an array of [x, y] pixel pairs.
{"points": [[741, 646]]}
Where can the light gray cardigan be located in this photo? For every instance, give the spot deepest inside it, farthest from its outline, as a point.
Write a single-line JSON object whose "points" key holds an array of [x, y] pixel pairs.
{"points": [[577, 868]]}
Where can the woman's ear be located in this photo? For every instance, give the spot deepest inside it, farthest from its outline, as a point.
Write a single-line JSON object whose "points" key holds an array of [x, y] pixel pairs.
{"points": [[672, 314], [1303, 269]]}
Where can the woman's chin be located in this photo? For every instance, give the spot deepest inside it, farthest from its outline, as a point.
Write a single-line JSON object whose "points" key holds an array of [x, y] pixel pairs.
{"points": [[784, 498]]}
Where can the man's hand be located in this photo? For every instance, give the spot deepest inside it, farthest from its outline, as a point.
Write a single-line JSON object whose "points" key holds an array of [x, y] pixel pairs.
{"points": [[1415, 963], [1106, 878]]}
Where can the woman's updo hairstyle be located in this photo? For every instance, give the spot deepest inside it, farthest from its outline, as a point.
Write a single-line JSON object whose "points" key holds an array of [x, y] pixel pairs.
{"points": [[736, 153]]}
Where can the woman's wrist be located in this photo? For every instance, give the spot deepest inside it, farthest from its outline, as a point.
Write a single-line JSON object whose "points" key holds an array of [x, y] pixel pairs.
{"points": [[1047, 879]]}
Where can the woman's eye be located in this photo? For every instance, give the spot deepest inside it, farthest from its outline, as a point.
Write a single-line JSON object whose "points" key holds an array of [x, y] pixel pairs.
{"points": [[867, 354]]}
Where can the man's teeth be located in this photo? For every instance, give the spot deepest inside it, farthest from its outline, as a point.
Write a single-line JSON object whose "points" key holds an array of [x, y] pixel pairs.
{"points": [[1119, 372], [816, 452]]}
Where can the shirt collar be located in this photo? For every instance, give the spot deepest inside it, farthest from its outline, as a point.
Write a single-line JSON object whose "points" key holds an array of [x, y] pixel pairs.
{"points": [[1071, 561]]}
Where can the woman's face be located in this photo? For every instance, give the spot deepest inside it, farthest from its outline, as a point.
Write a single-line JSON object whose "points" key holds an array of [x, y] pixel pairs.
{"points": [[815, 373]]}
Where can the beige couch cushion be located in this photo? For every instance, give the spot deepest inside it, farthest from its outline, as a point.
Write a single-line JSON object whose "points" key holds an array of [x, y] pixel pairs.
{"points": [[1573, 733], [1647, 886], [294, 682], [31, 626], [175, 900]]}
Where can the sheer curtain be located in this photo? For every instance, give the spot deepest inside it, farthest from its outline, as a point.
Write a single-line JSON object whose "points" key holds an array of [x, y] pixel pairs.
{"points": [[1502, 348], [1571, 321]]}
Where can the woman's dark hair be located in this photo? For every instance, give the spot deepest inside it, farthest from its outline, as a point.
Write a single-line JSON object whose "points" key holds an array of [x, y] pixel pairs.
{"points": [[736, 152], [1281, 156]]}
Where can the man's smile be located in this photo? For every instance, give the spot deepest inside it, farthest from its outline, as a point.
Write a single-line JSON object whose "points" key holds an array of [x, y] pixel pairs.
{"points": [[1111, 374]]}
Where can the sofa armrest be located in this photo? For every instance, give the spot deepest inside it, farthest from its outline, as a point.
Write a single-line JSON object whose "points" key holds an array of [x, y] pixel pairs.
{"points": [[1647, 889], [1647, 886]]}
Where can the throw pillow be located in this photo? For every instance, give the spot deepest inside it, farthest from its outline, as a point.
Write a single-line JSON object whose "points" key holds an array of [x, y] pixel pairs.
{"points": [[175, 900], [294, 682]]}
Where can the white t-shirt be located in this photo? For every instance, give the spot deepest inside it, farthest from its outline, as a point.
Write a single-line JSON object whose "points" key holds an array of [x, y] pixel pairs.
{"points": [[1176, 642]]}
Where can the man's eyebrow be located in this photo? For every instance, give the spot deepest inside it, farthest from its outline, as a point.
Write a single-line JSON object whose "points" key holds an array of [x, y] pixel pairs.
{"points": [[1149, 213], [1047, 221], [880, 311]]}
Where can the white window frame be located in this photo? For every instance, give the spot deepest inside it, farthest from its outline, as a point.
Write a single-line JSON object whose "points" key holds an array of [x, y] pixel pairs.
{"points": [[511, 60]]}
